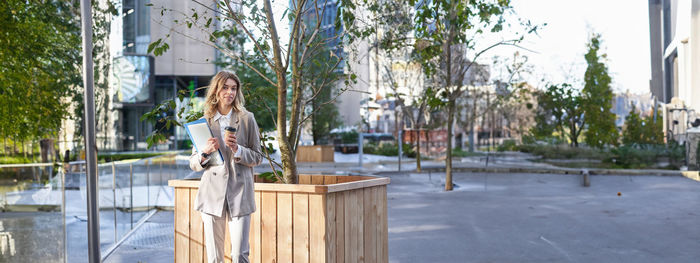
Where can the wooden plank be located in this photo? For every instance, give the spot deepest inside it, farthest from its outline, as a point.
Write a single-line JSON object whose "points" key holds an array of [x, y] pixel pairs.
{"points": [[328, 153], [204, 255], [345, 186], [305, 185], [181, 248], [291, 188], [304, 179], [351, 226], [196, 233], [269, 227], [284, 227], [301, 227], [370, 237], [383, 242], [329, 179], [255, 237], [340, 226], [359, 217], [330, 237], [317, 229], [317, 179], [182, 224], [345, 179]]}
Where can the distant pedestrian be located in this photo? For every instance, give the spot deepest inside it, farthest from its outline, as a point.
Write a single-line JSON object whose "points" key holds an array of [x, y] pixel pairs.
{"points": [[226, 194]]}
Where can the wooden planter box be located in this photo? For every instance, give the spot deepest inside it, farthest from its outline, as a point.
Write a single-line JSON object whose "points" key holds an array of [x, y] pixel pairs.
{"points": [[315, 153], [324, 218]]}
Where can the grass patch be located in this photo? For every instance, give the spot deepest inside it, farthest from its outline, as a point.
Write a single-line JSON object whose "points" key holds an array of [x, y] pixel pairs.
{"points": [[14, 160], [103, 158], [458, 152]]}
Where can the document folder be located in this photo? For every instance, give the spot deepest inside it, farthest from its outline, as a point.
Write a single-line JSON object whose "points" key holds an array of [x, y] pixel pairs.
{"points": [[199, 133]]}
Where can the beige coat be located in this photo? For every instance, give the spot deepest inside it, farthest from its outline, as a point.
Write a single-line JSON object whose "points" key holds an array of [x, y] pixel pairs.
{"points": [[220, 182]]}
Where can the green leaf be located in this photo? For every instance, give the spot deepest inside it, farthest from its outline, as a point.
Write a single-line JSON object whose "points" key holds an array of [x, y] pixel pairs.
{"points": [[153, 45]]}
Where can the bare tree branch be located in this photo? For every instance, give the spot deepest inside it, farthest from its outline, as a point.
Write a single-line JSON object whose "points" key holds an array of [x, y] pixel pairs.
{"points": [[295, 28], [335, 98], [233, 16], [223, 50]]}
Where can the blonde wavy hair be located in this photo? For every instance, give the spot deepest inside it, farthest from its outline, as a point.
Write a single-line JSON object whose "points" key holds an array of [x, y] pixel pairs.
{"points": [[217, 82]]}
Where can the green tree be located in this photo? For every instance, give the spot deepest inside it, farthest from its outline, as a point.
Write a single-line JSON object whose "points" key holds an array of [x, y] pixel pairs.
{"points": [[320, 81], [260, 95], [324, 112], [447, 32], [38, 50], [633, 130], [285, 60], [559, 109], [652, 130], [597, 98], [642, 130]]}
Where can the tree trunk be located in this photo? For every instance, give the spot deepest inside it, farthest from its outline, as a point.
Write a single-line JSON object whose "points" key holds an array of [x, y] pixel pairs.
{"points": [[286, 142], [396, 124], [418, 150], [472, 119], [573, 137], [448, 159]]}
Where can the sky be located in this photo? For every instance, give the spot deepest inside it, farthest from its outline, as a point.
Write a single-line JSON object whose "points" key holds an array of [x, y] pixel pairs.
{"points": [[560, 45]]}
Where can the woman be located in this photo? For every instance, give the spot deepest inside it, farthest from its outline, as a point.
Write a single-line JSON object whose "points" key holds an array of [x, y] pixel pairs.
{"points": [[226, 194]]}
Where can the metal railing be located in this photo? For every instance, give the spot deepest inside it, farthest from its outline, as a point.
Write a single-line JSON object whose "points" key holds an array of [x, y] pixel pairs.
{"points": [[54, 196]]}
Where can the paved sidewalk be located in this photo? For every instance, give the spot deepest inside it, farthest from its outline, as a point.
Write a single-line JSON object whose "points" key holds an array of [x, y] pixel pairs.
{"points": [[543, 218], [151, 243], [506, 162], [513, 217]]}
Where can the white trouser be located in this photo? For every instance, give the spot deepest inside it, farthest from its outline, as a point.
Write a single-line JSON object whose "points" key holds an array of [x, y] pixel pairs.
{"points": [[214, 233]]}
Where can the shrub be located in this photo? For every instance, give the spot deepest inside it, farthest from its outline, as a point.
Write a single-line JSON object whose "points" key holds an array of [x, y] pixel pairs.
{"points": [[349, 137], [458, 152], [631, 157], [507, 145], [529, 139], [388, 149], [562, 151], [647, 155], [408, 150], [369, 148]]}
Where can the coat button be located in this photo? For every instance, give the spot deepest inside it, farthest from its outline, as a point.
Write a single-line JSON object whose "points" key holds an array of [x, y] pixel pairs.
{"points": [[214, 174]]}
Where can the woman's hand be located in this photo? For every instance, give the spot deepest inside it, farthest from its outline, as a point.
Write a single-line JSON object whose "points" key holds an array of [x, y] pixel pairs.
{"points": [[212, 145], [231, 142]]}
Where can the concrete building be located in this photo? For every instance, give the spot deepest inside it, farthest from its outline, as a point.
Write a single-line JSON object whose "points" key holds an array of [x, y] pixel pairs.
{"points": [[139, 81], [371, 103], [674, 27]]}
